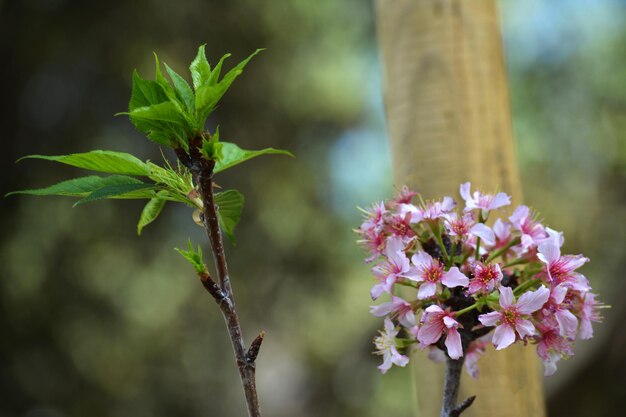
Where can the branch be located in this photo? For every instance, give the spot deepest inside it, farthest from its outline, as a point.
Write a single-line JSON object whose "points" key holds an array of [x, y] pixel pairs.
{"points": [[454, 367], [222, 290]]}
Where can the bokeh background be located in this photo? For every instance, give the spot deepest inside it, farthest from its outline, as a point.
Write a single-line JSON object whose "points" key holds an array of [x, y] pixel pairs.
{"points": [[96, 321]]}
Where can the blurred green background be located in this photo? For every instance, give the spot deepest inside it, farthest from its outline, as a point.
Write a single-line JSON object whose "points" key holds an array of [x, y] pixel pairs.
{"points": [[98, 322]]}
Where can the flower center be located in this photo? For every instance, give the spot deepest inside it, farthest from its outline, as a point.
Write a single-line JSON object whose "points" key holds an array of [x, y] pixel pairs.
{"points": [[510, 316]]}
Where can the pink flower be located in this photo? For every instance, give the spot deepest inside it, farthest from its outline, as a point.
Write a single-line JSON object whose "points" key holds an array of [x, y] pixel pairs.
{"points": [[552, 347], [588, 313], [374, 242], [568, 323], [482, 201], [431, 271], [560, 269], [405, 195], [464, 226], [474, 351], [415, 213], [374, 217], [434, 210], [502, 231], [486, 277], [436, 322], [532, 232], [396, 266], [512, 316], [386, 346], [400, 225], [397, 307]]}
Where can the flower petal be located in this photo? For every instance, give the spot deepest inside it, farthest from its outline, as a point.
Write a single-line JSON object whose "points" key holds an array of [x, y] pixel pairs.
{"points": [[500, 200], [489, 319], [568, 323], [524, 328], [430, 332], [427, 289], [549, 252], [454, 278], [507, 298], [464, 190], [421, 259], [532, 301], [453, 344], [503, 337], [483, 232]]}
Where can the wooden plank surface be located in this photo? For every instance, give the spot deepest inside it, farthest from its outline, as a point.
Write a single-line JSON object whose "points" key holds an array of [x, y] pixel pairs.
{"points": [[449, 121]]}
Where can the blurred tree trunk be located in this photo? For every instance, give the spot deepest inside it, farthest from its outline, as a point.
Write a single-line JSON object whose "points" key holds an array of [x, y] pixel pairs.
{"points": [[447, 105]]}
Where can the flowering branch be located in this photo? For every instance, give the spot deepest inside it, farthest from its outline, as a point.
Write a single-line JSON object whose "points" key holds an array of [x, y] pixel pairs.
{"points": [[468, 283]]}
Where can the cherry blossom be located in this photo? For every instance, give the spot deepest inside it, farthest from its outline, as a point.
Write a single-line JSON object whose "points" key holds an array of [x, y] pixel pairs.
{"points": [[560, 269], [386, 347], [395, 266], [486, 277], [435, 322], [485, 202], [513, 318], [430, 271], [397, 307]]}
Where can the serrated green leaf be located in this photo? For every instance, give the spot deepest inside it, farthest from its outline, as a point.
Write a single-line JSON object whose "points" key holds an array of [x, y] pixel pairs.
{"points": [[79, 187], [103, 161], [208, 94], [200, 68], [145, 93], [182, 89], [194, 258], [150, 212], [233, 155], [129, 190], [229, 207], [162, 112], [215, 74]]}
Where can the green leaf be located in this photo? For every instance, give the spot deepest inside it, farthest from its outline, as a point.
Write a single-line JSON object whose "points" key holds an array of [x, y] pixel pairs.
{"points": [[103, 161], [200, 68], [162, 112], [209, 94], [182, 89], [79, 187], [194, 258], [145, 93], [150, 212], [215, 74], [129, 190], [233, 155], [229, 206]]}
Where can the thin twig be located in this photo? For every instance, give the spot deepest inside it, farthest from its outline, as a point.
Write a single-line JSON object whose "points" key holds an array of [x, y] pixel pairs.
{"points": [[221, 291]]}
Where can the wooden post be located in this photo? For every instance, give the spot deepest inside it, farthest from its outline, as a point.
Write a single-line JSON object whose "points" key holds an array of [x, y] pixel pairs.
{"points": [[448, 115]]}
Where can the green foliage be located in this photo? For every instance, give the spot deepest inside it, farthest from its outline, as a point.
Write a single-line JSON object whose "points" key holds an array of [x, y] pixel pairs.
{"points": [[229, 206], [135, 189], [194, 258], [83, 186], [232, 155], [150, 212], [171, 113], [102, 161]]}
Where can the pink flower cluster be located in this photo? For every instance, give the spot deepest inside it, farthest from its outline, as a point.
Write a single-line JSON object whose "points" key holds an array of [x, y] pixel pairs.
{"points": [[453, 276]]}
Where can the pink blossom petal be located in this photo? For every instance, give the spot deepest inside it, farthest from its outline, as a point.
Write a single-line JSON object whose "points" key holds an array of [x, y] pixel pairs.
{"points": [[573, 262], [507, 299], [519, 215], [489, 319], [586, 330], [464, 190], [397, 358], [447, 204], [524, 328], [568, 323], [434, 309], [427, 289], [532, 301], [430, 332], [454, 278], [407, 319], [384, 367], [377, 290], [453, 344], [549, 252], [500, 200], [421, 259], [503, 337], [501, 230], [395, 245], [436, 355], [484, 232], [450, 322], [558, 293]]}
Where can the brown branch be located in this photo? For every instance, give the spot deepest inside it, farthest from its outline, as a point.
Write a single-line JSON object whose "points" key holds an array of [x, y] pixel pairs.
{"points": [[222, 291], [452, 382]]}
